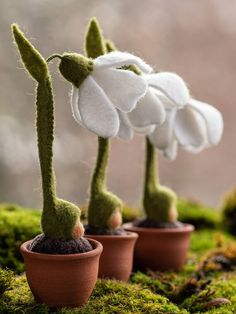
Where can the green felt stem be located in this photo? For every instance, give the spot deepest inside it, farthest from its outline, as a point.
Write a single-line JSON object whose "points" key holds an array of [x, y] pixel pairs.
{"points": [[59, 217], [102, 203], [159, 202], [98, 183]]}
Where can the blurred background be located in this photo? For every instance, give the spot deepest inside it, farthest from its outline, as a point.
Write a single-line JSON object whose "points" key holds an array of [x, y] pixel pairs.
{"points": [[196, 39]]}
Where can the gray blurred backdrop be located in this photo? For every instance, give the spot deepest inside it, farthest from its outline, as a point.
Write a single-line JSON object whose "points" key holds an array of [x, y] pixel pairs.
{"points": [[196, 39]]}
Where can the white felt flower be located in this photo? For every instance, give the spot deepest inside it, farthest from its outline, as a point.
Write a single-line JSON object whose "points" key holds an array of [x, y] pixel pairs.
{"points": [[101, 101], [189, 123]]}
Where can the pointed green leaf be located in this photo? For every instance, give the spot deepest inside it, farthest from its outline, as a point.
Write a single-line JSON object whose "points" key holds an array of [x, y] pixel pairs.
{"points": [[30, 57], [94, 41]]}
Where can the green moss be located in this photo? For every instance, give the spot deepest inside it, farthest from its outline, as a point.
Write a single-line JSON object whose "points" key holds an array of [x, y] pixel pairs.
{"points": [[108, 297], [60, 217], [159, 202], [17, 225], [229, 211], [200, 216]]}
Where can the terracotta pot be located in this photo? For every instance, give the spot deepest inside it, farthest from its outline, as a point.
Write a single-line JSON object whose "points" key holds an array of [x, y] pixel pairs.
{"points": [[62, 280], [161, 248], [116, 261]]}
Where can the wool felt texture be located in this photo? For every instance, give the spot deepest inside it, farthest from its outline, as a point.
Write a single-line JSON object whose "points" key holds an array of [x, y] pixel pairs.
{"points": [[190, 124], [59, 218], [111, 90], [102, 203], [159, 202]]}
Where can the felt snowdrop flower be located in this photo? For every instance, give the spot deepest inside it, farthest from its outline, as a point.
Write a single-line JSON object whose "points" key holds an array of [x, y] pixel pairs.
{"points": [[190, 124], [103, 92]]}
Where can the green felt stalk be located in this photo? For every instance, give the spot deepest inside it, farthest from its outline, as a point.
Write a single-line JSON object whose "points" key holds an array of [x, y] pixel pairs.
{"points": [[102, 203], [59, 217], [159, 202]]}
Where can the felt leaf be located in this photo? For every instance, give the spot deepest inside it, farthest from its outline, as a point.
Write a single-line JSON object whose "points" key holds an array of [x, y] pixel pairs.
{"points": [[172, 85], [213, 120], [96, 111], [94, 41], [123, 88], [149, 110], [31, 58], [163, 134], [190, 128], [117, 59], [125, 131]]}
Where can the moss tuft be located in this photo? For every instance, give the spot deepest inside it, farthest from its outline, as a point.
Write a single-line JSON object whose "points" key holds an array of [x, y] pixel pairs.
{"points": [[200, 216], [17, 225], [229, 211]]}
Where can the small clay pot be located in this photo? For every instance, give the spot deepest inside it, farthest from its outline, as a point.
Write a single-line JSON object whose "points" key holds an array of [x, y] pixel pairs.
{"points": [[62, 280], [160, 248], [116, 261]]}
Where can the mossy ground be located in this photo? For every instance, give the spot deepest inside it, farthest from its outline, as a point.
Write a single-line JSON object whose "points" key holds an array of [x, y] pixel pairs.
{"points": [[206, 284]]}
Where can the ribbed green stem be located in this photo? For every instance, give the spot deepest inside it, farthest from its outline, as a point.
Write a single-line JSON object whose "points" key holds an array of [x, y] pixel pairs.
{"points": [[98, 182], [45, 130], [151, 182]]}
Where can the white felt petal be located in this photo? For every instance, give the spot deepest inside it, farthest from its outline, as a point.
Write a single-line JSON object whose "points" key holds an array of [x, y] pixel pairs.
{"points": [[97, 112], [117, 59], [145, 130], [190, 128], [74, 104], [163, 134], [172, 85], [122, 87], [125, 131], [213, 120], [149, 110], [171, 151]]}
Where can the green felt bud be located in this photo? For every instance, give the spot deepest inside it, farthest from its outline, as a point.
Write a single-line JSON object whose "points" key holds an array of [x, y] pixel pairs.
{"points": [[59, 218], [75, 68], [159, 202]]}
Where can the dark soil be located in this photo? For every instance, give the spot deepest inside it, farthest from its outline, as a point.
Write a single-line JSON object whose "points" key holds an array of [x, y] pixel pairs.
{"points": [[43, 244], [147, 223], [90, 230]]}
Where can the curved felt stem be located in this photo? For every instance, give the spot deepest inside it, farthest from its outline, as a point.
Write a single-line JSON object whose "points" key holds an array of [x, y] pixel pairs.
{"points": [[45, 131], [150, 182], [159, 201], [98, 183], [37, 67], [59, 218], [102, 203]]}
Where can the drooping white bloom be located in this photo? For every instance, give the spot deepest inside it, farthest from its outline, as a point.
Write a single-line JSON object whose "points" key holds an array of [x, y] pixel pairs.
{"points": [[108, 93], [190, 124]]}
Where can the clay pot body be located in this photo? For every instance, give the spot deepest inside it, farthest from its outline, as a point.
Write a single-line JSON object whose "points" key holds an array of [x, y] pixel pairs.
{"points": [[62, 280], [161, 248], [116, 260]]}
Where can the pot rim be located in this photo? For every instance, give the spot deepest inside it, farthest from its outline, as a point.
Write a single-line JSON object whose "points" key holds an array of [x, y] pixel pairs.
{"points": [[186, 228], [97, 250], [127, 235]]}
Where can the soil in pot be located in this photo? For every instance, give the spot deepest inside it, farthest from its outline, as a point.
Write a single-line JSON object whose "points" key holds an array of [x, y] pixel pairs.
{"points": [[161, 249], [116, 260], [44, 244], [65, 280]]}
